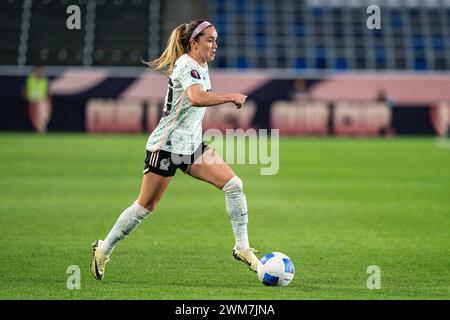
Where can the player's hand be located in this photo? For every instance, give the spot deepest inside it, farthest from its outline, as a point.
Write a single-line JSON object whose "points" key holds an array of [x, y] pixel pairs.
{"points": [[239, 99]]}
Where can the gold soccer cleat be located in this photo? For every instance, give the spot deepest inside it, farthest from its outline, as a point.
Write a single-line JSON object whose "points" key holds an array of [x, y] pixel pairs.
{"points": [[99, 261], [247, 256]]}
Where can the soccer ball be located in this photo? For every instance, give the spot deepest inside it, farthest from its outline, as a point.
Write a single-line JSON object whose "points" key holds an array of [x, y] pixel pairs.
{"points": [[276, 269]]}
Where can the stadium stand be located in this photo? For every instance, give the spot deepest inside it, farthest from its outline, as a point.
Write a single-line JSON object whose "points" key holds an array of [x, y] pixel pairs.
{"points": [[50, 42], [121, 32], [308, 34], [10, 17]]}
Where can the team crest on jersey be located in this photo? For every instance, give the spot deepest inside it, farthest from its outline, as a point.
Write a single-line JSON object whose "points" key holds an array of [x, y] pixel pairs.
{"points": [[195, 74], [164, 164]]}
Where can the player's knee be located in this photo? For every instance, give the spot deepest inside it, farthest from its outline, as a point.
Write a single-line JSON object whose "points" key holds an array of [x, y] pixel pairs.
{"points": [[235, 184]]}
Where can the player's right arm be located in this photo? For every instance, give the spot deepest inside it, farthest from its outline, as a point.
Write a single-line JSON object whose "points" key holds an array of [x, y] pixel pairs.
{"points": [[199, 98]]}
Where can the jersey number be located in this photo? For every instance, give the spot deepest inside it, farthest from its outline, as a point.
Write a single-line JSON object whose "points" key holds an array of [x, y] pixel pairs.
{"points": [[168, 105]]}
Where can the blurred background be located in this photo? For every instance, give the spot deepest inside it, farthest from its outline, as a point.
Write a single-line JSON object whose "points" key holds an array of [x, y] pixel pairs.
{"points": [[309, 67], [373, 72]]}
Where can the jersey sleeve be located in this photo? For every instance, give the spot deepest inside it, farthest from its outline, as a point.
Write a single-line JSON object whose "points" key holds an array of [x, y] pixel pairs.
{"points": [[188, 74]]}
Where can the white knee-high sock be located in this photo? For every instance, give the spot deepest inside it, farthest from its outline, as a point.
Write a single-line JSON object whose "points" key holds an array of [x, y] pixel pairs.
{"points": [[237, 210], [130, 218]]}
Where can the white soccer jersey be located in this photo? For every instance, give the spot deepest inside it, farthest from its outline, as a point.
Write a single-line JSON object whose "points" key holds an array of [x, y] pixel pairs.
{"points": [[180, 127]]}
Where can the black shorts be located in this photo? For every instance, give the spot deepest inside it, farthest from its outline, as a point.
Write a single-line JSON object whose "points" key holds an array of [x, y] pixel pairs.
{"points": [[165, 163]]}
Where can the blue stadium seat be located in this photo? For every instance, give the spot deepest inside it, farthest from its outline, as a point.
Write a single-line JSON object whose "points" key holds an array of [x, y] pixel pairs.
{"points": [[420, 64], [260, 41], [239, 7], [299, 30], [321, 63], [380, 63], [396, 20], [379, 53], [260, 13], [300, 63], [241, 63], [437, 43], [320, 52], [340, 63], [220, 25], [317, 11], [417, 41]]}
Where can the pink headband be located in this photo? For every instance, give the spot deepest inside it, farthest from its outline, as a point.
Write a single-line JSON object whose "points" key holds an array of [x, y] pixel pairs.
{"points": [[202, 26]]}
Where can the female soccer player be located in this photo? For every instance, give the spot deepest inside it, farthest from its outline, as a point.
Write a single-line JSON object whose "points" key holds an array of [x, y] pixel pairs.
{"points": [[177, 142]]}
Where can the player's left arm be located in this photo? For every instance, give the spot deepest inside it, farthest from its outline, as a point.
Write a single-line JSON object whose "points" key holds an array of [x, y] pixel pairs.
{"points": [[200, 98]]}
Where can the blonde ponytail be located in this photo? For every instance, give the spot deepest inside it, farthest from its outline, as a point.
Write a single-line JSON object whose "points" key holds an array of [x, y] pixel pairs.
{"points": [[176, 47]]}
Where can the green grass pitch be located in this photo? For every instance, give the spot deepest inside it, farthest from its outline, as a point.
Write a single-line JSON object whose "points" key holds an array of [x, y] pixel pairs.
{"points": [[335, 207]]}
